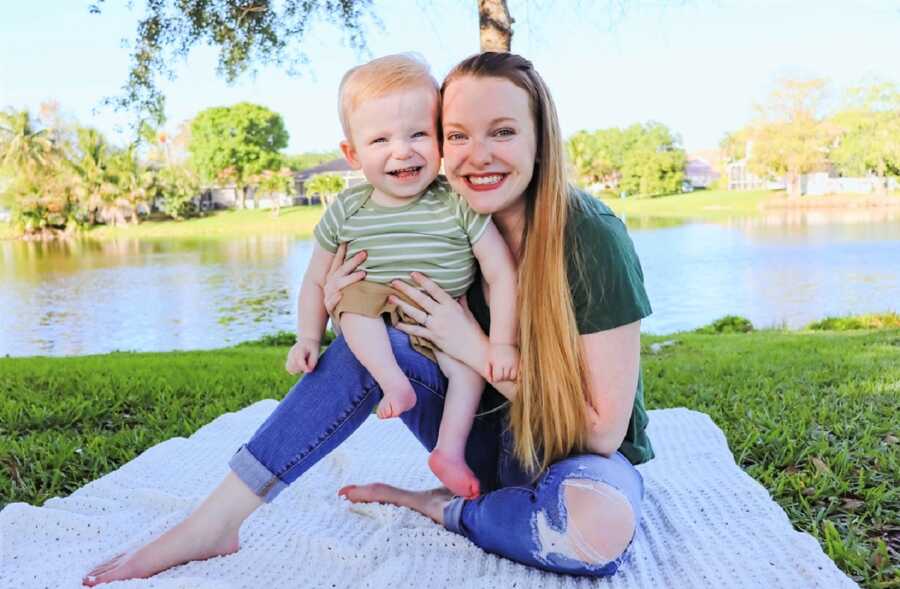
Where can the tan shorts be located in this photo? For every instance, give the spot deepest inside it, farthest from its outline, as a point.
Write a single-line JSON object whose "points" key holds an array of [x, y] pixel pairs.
{"points": [[370, 299]]}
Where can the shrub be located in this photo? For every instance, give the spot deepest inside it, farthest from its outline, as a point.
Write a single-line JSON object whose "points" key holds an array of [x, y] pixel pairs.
{"points": [[727, 324], [284, 339], [873, 321]]}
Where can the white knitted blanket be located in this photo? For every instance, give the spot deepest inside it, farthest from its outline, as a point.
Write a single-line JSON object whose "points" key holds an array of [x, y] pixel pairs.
{"points": [[705, 522]]}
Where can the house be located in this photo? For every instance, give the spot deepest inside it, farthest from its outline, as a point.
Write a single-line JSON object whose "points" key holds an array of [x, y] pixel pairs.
{"points": [[739, 175], [225, 197], [700, 171]]}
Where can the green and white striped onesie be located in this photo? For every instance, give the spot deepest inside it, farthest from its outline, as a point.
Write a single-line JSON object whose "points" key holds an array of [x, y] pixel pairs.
{"points": [[433, 235]]}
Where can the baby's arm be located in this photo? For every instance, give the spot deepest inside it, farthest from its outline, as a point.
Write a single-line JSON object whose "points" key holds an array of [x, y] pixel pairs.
{"points": [[311, 314], [499, 270]]}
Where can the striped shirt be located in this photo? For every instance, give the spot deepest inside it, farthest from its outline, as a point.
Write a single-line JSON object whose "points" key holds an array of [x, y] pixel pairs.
{"points": [[433, 235]]}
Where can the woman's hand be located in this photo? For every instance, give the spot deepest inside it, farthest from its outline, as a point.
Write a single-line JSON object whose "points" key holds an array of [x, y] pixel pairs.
{"points": [[444, 321], [341, 274]]}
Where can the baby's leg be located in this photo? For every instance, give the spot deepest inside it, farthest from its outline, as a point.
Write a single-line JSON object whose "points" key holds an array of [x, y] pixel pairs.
{"points": [[368, 340], [448, 459]]}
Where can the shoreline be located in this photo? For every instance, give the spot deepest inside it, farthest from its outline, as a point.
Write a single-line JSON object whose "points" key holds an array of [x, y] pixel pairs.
{"points": [[833, 201], [729, 324], [712, 206]]}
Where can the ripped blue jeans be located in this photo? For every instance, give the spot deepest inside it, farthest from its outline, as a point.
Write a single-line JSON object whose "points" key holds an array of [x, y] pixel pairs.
{"points": [[515, 517]]}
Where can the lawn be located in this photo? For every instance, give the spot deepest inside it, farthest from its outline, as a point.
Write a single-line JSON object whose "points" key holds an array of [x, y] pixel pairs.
{"points": [[711, 205], [298, 221], [812, 415]]}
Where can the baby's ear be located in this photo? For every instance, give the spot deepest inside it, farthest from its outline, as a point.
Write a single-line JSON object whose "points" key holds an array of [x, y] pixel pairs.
{"points": [[350, 154]]}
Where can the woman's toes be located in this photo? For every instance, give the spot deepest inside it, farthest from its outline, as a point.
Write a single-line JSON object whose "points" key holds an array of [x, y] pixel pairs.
{"points": [[373, 493], [103, 568]]}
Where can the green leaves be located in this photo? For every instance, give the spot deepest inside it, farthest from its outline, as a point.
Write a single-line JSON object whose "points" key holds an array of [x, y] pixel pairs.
{"points": [[324, 185], [246, 34], [236, 143], [640, 160]]}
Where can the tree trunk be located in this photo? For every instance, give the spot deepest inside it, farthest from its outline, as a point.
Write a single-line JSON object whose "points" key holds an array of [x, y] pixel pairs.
{"points": [[495, 25], [793, 185], [881, 172], [242, 196]]}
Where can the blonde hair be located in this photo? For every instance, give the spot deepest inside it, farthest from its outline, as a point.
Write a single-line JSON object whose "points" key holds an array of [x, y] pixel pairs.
{"points": [[379, 77], [549, 415]]}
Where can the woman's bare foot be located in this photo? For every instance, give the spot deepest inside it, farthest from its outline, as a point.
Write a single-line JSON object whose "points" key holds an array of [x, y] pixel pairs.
{"points": [[181, 544], [454, 473], [211, 530], [428, 503], [398, 397]]}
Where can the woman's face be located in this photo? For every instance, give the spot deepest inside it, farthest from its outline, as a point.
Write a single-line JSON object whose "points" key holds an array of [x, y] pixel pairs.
{"points": [[489, 142]]}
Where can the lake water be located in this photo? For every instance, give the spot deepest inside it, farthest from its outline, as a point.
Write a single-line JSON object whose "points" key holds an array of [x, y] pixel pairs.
{"points": [[90, 297]]}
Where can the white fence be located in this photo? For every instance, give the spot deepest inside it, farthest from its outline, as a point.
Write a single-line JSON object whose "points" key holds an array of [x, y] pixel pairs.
{"points": [[820, 183]]}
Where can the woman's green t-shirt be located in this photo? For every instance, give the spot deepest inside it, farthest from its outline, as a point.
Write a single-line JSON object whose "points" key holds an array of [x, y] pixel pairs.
{"points": [[607, 293]]}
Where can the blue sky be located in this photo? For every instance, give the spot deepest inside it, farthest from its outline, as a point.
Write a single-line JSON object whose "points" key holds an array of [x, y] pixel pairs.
{"points": [[696, 65]]}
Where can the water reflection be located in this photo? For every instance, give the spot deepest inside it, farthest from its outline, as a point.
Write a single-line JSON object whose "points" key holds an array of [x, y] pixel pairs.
{"points": [[88, 297], [772, 271], [83, 297]]}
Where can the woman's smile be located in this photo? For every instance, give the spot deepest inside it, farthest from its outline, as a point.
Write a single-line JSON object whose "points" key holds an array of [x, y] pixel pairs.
{"points": [[483, 182]]}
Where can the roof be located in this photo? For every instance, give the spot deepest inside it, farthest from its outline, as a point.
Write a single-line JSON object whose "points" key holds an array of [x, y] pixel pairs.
{"points": [[335, 165]]}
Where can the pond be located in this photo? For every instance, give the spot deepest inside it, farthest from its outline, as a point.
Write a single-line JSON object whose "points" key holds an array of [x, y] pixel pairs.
{"points": [[88, 297]]}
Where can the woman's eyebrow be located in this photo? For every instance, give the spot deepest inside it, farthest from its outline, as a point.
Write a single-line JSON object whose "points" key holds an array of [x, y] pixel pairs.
{"points": [[491, 123]]}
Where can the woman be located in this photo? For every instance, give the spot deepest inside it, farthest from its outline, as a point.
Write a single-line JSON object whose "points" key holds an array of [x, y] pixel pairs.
{"points": [[554, 452]]}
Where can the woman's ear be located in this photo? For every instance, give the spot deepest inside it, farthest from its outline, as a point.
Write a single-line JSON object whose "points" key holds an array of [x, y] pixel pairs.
{"points": [[350, 154]]}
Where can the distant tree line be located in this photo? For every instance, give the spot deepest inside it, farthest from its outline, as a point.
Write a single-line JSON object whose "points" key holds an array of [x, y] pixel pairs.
{"points": [[796, 133], [57, 176]]}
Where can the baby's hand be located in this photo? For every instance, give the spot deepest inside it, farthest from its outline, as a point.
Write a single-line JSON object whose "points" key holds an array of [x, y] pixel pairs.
{"points": [[503, 362], [303, 356]]}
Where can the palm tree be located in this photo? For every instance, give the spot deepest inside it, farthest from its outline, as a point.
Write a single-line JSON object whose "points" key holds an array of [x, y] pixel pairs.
{"points": [[134, 184], [326, 186], [23, 147], [95, 186], [275, 184]]}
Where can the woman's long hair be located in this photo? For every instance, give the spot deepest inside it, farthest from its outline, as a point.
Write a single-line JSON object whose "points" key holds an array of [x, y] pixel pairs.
{"points": [[548, 415]]}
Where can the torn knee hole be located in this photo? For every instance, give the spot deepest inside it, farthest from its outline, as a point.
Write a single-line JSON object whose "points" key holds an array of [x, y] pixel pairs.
{"points": [[599, 522]]}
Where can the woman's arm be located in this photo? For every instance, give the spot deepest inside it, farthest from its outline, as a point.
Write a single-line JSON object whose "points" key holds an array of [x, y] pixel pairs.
{"points": [[498, 269], [612, 360]]}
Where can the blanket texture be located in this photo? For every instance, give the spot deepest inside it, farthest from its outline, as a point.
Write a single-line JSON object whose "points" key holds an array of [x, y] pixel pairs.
{"points": [[706, 523]]}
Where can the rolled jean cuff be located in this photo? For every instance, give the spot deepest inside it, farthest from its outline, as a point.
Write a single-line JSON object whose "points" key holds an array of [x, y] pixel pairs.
{"points": [[256, 475], [453, 514]]}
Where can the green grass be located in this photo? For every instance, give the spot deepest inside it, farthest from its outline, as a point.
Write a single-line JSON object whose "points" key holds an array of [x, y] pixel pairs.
{"points": [[712, 205], [297, 221], [811, 415]]}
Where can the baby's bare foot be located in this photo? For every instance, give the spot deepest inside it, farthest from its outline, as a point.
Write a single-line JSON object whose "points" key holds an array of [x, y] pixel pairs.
{"points": [[454, 473], [183, 543], [397, 398]]}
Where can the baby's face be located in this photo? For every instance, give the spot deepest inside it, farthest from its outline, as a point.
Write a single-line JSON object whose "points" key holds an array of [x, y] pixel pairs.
{"points": [[394, 141]]}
